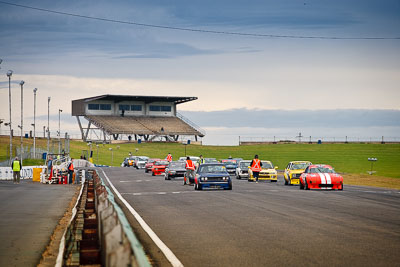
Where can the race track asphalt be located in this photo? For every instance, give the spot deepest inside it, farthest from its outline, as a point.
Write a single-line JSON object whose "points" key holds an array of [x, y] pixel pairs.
{"points": [[29, 213], [267, 224]]}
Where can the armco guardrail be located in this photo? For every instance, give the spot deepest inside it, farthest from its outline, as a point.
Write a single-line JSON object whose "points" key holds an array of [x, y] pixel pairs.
{"points": [[118, 243]]}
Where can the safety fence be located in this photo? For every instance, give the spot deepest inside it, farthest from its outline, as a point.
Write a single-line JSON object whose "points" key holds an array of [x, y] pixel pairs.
{"points": [[317, 139], [97, 218]]}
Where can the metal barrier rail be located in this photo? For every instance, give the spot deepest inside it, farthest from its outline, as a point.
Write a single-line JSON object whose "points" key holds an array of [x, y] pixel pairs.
{"points": [[119, 245], [115, 249]]}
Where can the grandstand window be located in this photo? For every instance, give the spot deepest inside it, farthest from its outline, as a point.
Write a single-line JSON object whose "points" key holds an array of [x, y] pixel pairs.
{"points": [[124, 107], [155, 108], [160, 108], [166, 108], [136, 107], [94, 106], [105, 106]]}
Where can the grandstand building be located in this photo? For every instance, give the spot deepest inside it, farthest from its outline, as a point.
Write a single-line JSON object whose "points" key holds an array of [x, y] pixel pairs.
{"points": [[146, 118]]}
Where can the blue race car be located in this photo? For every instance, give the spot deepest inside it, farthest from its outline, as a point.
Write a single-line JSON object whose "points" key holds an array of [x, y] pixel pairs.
{"points": [[212, 175]]}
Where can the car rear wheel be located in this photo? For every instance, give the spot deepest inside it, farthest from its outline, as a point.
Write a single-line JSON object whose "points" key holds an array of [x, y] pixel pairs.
{"points": [[341, 188], [286, 182], [146, 170], [152, 174], [306, 185]]}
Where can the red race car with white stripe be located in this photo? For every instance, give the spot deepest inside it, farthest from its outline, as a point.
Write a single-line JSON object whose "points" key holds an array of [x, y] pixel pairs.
{"points": [[321, 176]]}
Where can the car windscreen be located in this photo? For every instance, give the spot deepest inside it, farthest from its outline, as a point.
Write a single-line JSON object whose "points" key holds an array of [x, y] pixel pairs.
{"points": [[267, 165], [299, 166], [244, 164], [177, 165], [321, 170], [142, 159], [212, 169], [161, 163]]}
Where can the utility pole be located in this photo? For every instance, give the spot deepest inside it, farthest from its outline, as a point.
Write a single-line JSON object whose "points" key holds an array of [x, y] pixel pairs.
{"points": [[34, 123], [22, 117], [9, 74], [59, 132], [48, 125]]}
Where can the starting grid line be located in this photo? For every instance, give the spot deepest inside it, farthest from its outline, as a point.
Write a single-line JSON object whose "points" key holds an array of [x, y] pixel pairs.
{"points": [[191, 192]]}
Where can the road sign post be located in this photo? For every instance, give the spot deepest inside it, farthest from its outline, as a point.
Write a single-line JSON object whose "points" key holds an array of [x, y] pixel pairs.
{"points": [[372, 160]]}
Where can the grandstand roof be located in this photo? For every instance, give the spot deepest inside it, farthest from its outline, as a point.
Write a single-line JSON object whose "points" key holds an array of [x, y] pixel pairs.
{"points": [[146, 99]]}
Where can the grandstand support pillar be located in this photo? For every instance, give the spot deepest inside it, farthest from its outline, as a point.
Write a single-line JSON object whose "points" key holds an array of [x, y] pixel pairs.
{"points": [[80, 128], [115, 136], [176, 137], [195, 137], [135, 137], [146, 137], [87, 130]]}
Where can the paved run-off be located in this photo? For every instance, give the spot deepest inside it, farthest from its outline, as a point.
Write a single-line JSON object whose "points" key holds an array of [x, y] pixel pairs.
{"points": [[29, 213]]}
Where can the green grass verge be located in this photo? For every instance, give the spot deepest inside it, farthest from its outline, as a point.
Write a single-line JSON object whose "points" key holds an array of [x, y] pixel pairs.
{"points": [[345, 158]]}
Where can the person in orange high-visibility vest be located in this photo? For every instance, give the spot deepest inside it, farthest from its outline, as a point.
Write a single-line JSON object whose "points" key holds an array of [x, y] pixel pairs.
{"points": [[189, 171], [169, 157], [255, 167], [70, 171]]}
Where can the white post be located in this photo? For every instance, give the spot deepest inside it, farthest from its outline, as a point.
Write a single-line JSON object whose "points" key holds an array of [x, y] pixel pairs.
{"points": [[22, 117], [59, 131], [9, 74], [34, 123], [48, 125]]}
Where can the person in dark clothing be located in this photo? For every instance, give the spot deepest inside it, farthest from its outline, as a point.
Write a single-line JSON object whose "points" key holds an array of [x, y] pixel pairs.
{"points": [[16, 166], [255, 167]]}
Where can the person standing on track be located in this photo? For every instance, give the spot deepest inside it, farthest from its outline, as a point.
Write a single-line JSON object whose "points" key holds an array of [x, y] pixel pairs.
{"points": [[255, 167], [189, 171], [169, 157], [201, 160], [70, 171], [16, 166]]}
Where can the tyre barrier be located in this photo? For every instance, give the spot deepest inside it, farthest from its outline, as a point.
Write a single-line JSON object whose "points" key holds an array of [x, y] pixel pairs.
{"points": [[99, 234]]}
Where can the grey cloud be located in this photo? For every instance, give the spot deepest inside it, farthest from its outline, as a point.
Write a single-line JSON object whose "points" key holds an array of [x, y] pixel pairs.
{"points": [[295, 118]]}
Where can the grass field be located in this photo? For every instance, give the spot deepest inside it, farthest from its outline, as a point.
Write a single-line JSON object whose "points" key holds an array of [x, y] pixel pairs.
{"points": [[350, 159]]}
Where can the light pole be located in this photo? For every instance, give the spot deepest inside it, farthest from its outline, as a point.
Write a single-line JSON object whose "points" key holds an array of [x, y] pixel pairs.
{"points": [[59, 131], [22, 116], [48, 124], [9, 74], [34, 123]]}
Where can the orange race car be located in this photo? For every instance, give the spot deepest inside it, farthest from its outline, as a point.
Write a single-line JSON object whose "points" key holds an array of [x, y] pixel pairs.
{"points": [[320, 176], [159, 167]]}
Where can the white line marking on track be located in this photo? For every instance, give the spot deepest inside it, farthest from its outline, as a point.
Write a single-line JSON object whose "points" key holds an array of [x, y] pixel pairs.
{"points": [[125, 181], [167, 252]]}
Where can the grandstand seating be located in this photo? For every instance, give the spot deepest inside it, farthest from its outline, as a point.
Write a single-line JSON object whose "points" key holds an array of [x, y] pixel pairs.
{"points": [[147, 125]]}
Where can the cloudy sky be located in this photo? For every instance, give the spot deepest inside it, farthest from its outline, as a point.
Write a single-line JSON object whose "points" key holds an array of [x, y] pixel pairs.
{"points": [[289, 56]]}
